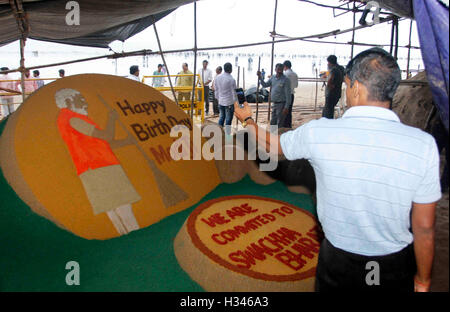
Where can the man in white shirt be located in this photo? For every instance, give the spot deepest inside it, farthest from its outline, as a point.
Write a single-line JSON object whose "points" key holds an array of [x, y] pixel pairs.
{"points": [[225, 93], [134, 73], [215, 101], [6, 101], [206, 76], [377, 184], [30, 85], [288, 72]]}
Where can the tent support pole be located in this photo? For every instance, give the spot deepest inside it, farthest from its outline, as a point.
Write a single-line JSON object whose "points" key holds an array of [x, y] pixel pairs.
{"points": [[354, 31], [396, 38], [272, 55], [195, 59], [22, 66], [164, 61], [409, 50], [257, 91]]}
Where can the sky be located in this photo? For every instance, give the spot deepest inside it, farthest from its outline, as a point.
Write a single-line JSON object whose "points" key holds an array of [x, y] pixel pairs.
{"points": [[221, 23]]}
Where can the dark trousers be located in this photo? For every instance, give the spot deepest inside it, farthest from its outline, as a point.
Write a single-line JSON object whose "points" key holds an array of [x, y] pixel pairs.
{"points": [[288, 120], [330, 103], [339, 270], [215, 104], [278, 118], [206, 92], [226, 115]]}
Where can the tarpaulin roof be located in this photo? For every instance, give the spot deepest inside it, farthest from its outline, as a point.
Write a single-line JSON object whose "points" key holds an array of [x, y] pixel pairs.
{"points": [[101, 22], [432, 23]]}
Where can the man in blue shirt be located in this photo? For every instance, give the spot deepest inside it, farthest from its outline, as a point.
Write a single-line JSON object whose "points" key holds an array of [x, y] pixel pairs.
{"points": [[377, 184], [280, 95]]}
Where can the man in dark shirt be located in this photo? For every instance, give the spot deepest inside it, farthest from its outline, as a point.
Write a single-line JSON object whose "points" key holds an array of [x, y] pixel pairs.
{"points": [[280, 94], [334, 87]]}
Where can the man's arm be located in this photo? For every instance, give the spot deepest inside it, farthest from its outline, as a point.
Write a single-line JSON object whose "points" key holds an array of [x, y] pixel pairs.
{"points": [[287, 94], [423, 220], [216, 89], [263, 83], [270, 141], [330, 83]]}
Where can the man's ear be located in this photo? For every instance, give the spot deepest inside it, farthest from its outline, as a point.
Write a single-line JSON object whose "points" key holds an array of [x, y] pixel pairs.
{"points": [[356, 90]]}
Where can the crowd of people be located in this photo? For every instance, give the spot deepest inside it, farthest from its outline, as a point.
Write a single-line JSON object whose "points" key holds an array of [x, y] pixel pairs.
{"points": [[10, 85]]}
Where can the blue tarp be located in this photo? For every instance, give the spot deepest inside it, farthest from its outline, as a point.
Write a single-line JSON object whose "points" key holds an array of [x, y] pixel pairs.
{"points": [[432, 23]]}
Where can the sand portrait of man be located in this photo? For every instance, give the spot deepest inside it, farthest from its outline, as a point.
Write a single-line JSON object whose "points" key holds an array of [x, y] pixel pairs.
{"points": [[105, 182]]}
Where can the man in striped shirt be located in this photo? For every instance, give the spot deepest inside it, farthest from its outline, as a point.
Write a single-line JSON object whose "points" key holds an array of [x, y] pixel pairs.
{"points": [[377, 184]]}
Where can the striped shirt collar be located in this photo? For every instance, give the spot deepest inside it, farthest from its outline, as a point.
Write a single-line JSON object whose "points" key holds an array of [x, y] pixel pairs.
{"points": [[371, 112]]}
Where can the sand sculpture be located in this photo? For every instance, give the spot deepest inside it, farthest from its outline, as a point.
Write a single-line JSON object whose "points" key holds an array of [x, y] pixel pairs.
{"points": [[249, 243], [92, 154]]}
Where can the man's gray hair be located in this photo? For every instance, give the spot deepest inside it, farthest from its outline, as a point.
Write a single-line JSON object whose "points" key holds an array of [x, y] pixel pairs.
{"points": [[62, 95]]}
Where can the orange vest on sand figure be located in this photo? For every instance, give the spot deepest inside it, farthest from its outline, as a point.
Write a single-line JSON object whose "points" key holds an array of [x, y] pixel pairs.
{"points": [[87, 152]]}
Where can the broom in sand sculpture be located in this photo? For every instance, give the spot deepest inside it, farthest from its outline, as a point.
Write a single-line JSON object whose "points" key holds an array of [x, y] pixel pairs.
{"points": [[171, 193]]}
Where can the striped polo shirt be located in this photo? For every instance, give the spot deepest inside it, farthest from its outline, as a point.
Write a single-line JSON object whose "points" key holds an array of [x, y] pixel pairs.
{"points": [[369, 168]]}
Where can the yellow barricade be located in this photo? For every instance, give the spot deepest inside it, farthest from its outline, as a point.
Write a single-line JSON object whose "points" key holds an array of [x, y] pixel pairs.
{"points": [[184, 94]]}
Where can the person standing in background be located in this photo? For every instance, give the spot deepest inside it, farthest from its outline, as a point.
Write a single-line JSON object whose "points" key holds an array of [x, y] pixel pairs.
{"points": [[185, 81], [206, 77], [215, 101], [225, 93], [134, 73], [30, 85], [6, 101], [293, 78], [36, 75], [263, 74], [158, 81], [281, 95], [62, 73], [333, 91]]}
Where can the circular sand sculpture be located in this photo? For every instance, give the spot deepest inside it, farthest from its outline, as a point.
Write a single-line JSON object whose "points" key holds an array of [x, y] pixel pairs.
{"points": [[92, 153], [249, 243]]}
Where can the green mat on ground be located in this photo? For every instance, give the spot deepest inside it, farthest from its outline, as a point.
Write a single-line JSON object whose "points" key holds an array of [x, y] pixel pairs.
{"points": [[34, 251]]}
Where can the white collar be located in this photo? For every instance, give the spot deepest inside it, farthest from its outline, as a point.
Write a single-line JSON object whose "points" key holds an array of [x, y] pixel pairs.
{"points": [[371, 112]]}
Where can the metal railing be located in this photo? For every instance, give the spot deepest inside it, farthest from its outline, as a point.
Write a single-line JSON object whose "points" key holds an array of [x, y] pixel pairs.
{"points": [[184, 95]]}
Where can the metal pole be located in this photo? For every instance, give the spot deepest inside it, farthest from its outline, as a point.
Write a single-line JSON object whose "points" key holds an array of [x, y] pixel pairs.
{"points": [[243, 78], [239, 75], [164, 61], [257, 91], [195, 58], [396, 38], [273, 51], [392, 37], [22, 66], [317, 90], [354, 26], [409, 50]]}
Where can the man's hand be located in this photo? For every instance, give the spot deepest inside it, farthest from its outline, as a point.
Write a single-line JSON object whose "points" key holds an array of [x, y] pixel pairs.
{"points": [[285, 111], [421, 286], [242, 113]]}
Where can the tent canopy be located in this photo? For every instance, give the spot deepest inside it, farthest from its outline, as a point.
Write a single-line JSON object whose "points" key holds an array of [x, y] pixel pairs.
{"points": [[101, 22]]}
